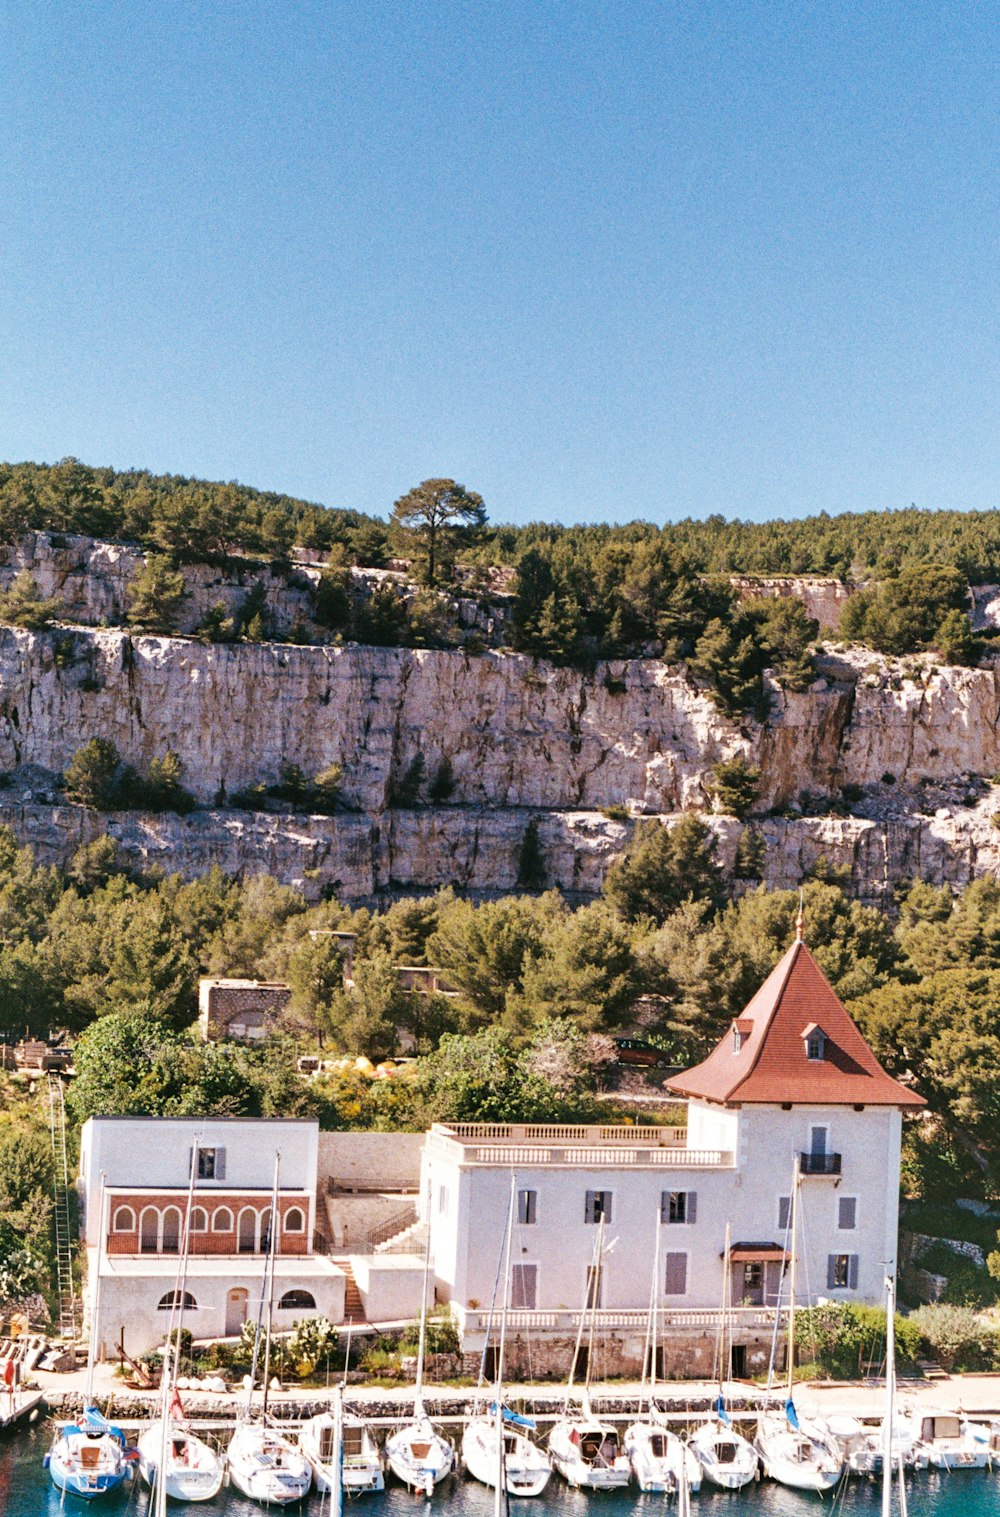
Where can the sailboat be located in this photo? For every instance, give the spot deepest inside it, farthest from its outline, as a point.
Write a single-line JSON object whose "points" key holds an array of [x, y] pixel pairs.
{"points": [[340, 1447], [263, 1463], [417, 1453], [586, 1451], [803, 1455], [726, 1457], [660, 1460], [168, 1450], [91, 1457], [496, 1448]]}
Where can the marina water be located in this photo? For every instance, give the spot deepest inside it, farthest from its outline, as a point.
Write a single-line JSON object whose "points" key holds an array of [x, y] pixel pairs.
{"points": [[26, 1491]]}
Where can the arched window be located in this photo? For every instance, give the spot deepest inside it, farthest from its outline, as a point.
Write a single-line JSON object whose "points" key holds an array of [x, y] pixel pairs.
{"points": [[294, 1220], [149, 1229], [199, 1220], [124, 1220], [172, 1298], [296, 1301], [246, 1243], [222, 1220], [171, 1239], [265, 1231]]}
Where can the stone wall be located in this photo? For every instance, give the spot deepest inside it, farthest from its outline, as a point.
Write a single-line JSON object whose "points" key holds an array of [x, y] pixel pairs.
{"points": [[823, 598]]}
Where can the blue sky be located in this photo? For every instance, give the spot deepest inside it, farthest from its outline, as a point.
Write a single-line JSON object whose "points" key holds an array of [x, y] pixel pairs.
{"points": [[595, 260]]}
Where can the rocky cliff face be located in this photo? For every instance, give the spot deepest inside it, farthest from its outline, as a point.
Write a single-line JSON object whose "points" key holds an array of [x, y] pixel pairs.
{"points": [[523, 740]]}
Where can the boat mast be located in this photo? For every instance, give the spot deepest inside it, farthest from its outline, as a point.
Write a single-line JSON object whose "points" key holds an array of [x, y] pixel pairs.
{"points": [[791, 1278], [506, 1287], [418, 1390], [888, 1416], [95, 1305], [725, 1363], [583, 1320], [654, 1302], [269, 1278]]}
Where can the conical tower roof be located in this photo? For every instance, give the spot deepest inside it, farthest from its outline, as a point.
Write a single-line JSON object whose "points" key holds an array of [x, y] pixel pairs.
{"points": [[769, 1054]]}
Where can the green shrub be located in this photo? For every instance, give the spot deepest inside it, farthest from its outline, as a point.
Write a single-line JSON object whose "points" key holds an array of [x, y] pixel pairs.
{"points": [[22, 606]]}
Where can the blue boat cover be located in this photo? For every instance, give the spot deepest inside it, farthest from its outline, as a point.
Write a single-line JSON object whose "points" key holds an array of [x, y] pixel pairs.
{"points": [[792, 1414], [723, 1415], [513, 1417]]}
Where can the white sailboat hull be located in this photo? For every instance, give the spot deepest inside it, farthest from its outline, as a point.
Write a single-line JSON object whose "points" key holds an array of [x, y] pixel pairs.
{"points": [[587, 1455], [419, 1457], [660, 1459], [193, 1470], [805, 1460], [726, 1458], [266, 1467], [526, 1466], [360, 1470]]}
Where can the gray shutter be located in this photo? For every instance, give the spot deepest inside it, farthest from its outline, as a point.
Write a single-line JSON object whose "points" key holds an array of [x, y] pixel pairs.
{"points": [[692, 1206], [675, 1283], [831, 1271], [664, 1206], [220, 1163], [606, 1208], [591, 1206], [784, 1208], [848, 1218], [852, 1272]]}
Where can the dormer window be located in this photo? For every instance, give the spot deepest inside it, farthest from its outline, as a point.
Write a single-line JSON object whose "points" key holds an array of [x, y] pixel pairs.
{"points": [[741, 1031], [815, 1041], [737, 1040]]}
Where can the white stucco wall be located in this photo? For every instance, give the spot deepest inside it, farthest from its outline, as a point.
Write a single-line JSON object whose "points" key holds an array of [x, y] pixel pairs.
{"points": [[468, 1234], [150, 1152], [372, 1160], [391, 1285]]}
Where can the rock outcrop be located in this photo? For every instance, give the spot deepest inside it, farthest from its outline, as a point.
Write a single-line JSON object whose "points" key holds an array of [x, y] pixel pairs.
{"points": [[881, 768]]}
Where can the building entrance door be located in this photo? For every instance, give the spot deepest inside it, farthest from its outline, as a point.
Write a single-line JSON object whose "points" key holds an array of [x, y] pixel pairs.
{"points": [[236, 1310]]}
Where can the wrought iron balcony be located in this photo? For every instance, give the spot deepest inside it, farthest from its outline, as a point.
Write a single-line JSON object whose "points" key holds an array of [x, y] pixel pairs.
{"points": [[819, 1164]]}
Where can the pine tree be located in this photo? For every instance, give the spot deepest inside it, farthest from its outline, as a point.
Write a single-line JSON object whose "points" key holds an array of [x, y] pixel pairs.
{"points": [[531, 871]]}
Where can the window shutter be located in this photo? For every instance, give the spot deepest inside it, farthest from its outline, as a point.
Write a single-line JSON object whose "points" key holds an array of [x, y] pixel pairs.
{"points": [[591, 1207], [676, 1276], [852, 1272], [606, 1205], [220, 1164], [848, 1212], [784, 1211], [831, 1272], [190, 1162], [664, 1206], [692, 1206]]}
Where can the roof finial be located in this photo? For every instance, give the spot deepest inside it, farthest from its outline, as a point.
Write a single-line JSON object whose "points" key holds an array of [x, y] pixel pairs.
{"points": [[800, 920]]}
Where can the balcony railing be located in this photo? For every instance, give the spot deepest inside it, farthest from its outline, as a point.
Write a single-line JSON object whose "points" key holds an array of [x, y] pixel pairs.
{"points": [[819, 1164], [581, 1147], [566, 1320]]}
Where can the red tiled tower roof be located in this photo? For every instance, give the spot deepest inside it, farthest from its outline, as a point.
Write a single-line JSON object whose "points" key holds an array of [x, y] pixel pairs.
{"points": [[763, 1059]]}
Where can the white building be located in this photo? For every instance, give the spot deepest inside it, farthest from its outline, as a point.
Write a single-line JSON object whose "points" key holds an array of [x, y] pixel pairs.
{"points": [[791, 1088], [134, 1189]]}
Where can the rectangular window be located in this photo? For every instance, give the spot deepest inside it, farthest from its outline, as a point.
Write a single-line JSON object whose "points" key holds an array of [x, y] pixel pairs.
{"points": [[527, 1207], [598, 1206], [817, 1140], [815, 1046], [211, 1163], [847, 1213], [784, 1213], [842, 1272], [443, 1201], [679, 1206], [675, 1283], [595, 1285], [524, 1287]]}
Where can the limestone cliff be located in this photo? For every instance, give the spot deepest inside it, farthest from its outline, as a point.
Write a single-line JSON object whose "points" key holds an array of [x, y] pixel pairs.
{"points": [[522, 739]]}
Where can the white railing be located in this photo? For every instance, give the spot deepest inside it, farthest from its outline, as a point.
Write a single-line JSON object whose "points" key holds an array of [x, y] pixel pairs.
{"points": [[549, 1133], [524, 1143], [565, 1320], [599, 1158]]}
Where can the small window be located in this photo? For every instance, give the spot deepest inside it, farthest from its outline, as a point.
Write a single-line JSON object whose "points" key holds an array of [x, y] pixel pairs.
{"points": [[678, 1206], [817, 1141], [222, 1220], [675, 1282], [294, 1221], [443, 1201], [842, 1272], [737, 1040], [816, 1046], [847, 1213], [211, 1164], [124, 1220], [199, 1220], [175, 1298], [527, 1207], [598, 1206], [784, 1213], [293, 1301], [524, 1287]]}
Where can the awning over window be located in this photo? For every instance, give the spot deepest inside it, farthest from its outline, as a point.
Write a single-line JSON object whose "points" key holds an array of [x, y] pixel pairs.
{"points": [[757, 1253]]}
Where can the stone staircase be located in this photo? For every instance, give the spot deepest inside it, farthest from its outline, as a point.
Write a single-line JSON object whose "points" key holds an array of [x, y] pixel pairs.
{"points": [[410, 1240], [354, 1307]]}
